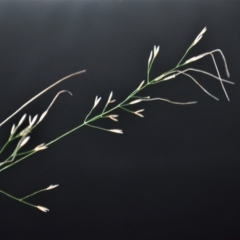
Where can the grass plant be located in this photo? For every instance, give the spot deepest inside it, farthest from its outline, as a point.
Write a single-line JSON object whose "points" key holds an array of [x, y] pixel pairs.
{"points": [[22, 136]]}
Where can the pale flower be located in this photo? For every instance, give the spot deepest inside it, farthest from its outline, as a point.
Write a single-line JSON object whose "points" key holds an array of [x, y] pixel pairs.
{"points": [[22, 119], [97, 100], [116, 131], [42, 208]]}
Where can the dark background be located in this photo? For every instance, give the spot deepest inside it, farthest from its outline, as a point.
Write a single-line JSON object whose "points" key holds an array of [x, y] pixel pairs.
{"points": [[175, 174]]}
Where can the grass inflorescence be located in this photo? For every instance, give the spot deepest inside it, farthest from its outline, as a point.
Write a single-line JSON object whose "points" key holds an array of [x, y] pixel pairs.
{"points": [[22, 136]]}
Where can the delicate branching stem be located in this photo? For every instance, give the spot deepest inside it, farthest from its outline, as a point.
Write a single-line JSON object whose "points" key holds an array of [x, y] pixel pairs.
{"points": [[17, 199], [22, 200], [132, 99]]}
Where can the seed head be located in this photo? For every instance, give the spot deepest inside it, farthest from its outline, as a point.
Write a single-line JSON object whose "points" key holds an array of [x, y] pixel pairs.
{"points": [[110, 97], [22, 119], [113, 117], [44, 209], [170, 77], [25, 140], [135, 101], [138, 112], [40, 147], [139, 87], [155, 51], [31, 122], [198, 38], [150, 58], [42, 116], [116, 131], [13, 129], [97, 100], [52, 187]]}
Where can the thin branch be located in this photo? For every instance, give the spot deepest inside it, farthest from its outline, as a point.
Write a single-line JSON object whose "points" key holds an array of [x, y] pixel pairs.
{"points": [[39, 94]]}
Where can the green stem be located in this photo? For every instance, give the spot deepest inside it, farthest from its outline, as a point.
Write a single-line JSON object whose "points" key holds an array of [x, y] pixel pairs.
{"points": [[32, 194], [186, 52], [4, 146], [17, 199], [104, 113], [125, 109]]}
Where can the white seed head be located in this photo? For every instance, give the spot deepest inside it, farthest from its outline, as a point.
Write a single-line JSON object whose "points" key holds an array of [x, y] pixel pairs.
{"points": [[110, 97], [138, 112], [139, 87], [203, 31], [25, 131], [40, 147], [42, 116], [25, 140], [170, 77], [135, 101], [44, 209], [113, 117], [13, 129], [97, 100], [112, 101], [193, 59], [150, 58], [22, 119], [159, 78], [198, 38], [33, 120], [155, 51], [52, 187], [116, 131]]}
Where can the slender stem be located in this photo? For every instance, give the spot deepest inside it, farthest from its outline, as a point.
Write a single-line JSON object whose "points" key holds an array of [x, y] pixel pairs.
{"points": [[125, 109], [186, 52], [4, 146], [32, 194], [89, 125], [17, 199]]}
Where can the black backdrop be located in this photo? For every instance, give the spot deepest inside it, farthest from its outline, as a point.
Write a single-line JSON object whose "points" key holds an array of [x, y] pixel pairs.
{"points": [[173, 174]]}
